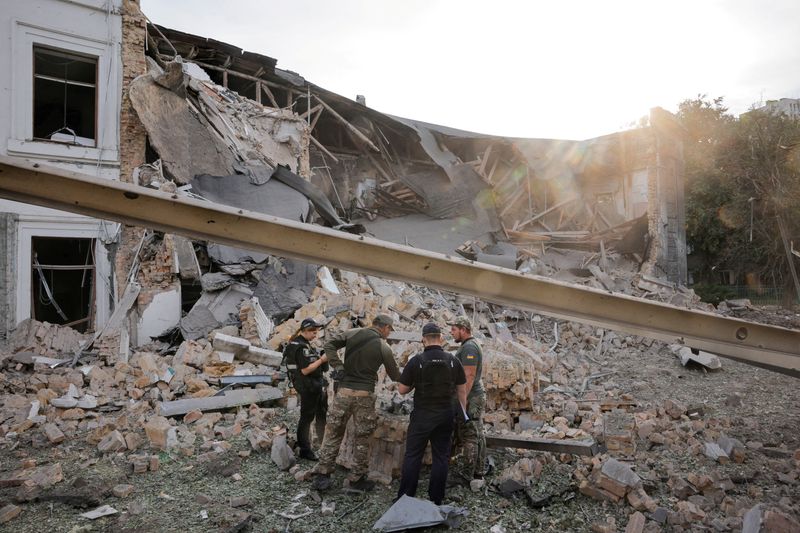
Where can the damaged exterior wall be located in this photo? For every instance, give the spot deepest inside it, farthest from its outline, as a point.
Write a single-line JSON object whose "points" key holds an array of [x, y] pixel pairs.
{"points": [[8, 248], [89, 29], [667, 213]]}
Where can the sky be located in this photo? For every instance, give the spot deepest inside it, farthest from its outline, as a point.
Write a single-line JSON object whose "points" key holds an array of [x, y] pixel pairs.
{"points": [[571, 69]]}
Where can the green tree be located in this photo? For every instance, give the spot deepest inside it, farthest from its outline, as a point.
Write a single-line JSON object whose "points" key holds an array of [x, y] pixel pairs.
{"points": [[741, 175]]}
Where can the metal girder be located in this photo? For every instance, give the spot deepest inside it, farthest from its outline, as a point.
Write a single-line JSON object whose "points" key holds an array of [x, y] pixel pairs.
{"points": [[767, 346]]}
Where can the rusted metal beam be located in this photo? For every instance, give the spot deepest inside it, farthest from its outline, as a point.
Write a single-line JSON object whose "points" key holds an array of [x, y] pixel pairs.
{"points": [[758, 344]]}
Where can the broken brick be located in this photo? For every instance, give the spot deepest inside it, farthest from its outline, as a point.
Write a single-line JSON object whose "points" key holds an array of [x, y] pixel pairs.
{"points": [[635, 523], [9, 512]]}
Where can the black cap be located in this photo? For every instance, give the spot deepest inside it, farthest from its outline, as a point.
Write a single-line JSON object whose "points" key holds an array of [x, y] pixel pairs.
{"points": [[309, 323], [431, 329]]}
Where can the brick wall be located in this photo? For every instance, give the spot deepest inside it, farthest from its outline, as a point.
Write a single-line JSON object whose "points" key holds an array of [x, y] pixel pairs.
{"points": [[132, 133]]}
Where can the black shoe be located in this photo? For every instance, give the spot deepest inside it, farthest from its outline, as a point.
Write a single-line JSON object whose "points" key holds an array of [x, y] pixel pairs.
{"points": [[308, 454], [362, 485], [321, 482]]}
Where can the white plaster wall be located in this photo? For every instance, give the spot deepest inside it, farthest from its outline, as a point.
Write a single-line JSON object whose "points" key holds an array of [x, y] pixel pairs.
{"points": [[637, 194], [91, 27], [161, 314]]}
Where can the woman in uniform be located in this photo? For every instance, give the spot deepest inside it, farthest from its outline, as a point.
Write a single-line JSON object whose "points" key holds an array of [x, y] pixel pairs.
{"points": [[305, 367]]}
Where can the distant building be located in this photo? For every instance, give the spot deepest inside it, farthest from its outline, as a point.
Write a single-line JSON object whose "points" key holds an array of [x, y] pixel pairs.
{"points": [[787, 106]]}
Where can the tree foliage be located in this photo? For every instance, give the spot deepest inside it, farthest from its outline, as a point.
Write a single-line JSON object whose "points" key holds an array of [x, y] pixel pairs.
{"points": [[741, 175]]}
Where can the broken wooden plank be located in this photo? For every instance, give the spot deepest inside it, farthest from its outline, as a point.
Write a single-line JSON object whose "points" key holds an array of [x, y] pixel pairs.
{"points": [[526, 236], [575, 447], [232, 398], [357, 132], [484, 160]]}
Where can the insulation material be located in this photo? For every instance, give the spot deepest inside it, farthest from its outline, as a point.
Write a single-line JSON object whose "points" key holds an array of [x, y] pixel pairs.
{"points": [[285, 287]]}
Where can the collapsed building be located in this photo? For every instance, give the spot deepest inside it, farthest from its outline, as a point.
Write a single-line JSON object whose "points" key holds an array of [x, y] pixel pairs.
{"points": [[179, 320], [223, 121]]}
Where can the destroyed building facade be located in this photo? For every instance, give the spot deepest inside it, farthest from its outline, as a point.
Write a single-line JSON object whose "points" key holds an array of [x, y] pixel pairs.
{"points": [[174, 109], [60, 104]]}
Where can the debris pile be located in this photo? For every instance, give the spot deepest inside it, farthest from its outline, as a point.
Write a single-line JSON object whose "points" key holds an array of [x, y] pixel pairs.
{"points": [[544, 379]]}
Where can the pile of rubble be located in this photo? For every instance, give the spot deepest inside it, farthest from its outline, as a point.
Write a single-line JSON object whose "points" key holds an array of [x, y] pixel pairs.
{"points": [[543, 380]]}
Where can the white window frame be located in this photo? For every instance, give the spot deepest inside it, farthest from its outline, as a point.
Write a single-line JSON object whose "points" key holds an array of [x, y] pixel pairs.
{"points": [[69, 228], [21, 141]]}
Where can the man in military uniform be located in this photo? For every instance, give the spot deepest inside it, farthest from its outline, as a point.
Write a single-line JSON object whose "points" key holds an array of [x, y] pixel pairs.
{"points": [[305, 368], [440, 393], [365, 350], [469, 433]]}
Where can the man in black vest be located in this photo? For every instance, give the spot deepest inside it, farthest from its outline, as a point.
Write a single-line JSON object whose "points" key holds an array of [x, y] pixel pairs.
{"points": [[440, 393]]}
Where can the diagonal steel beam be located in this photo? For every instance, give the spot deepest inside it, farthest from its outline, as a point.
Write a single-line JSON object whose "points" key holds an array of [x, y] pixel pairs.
{"points": [[767, 346]]}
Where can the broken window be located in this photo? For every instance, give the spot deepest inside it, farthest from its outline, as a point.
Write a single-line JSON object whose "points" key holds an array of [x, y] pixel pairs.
{"points": [[64, 96], [63, 281]]}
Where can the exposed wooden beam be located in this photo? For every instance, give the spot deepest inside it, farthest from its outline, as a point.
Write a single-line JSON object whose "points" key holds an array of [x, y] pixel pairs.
{"points": [[324, 150], [271, 96], [311, 111], [355, 131]]}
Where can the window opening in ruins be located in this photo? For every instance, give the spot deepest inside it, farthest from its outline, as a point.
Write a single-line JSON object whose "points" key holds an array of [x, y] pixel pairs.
{"points": [[64, 96], [63, 277]]}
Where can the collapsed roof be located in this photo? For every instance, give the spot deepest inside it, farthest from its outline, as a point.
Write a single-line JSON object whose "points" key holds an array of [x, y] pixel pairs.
{"points": [[435, 187]]}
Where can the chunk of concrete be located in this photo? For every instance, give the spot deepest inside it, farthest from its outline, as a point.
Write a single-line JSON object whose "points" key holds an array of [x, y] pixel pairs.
{"points": [[104, 510], [409, 513], [704, 359], [621, 473], [198, 323], [215, 281], [281, 454], [284, 288]]}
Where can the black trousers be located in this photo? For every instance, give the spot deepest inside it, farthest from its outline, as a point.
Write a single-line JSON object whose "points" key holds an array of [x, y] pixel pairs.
{"points": [[313, 408], [436, 427]]}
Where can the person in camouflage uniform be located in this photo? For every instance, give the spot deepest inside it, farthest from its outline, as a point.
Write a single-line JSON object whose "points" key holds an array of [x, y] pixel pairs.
{"points": [[365, 350], [468, 434]]}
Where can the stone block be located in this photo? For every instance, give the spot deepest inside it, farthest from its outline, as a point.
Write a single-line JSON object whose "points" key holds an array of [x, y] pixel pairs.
{"points": [[113, 442]]}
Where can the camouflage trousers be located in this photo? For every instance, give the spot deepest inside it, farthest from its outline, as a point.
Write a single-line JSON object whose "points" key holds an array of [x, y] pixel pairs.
{"points": [[468, 439], [365, 419]]}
